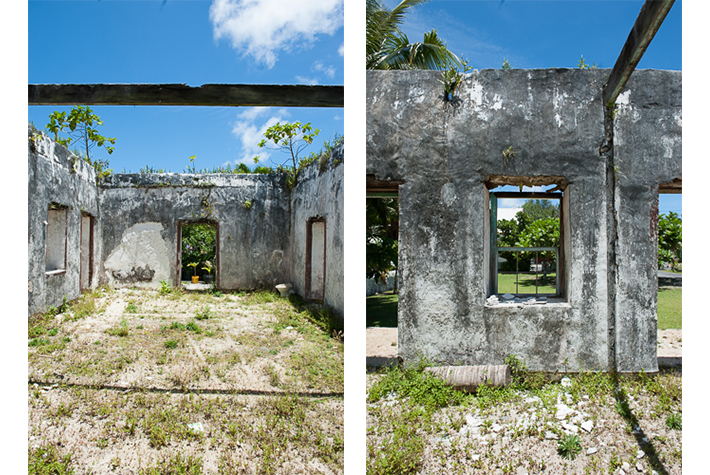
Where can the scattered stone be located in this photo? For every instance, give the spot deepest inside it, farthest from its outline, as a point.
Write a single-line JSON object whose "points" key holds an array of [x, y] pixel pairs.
{"points": [[473, 421], [566, 382], [492, 300], [570, 427], [592, 450], [639, 467], [197, 427], [475, 457], [625, 466], [588, 426], [549, 435], [640, 454], [496, 428], [562, 412]]}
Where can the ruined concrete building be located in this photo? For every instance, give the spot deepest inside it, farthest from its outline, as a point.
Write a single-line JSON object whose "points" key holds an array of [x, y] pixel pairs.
{"points": [[531, 127], [125, 231]]}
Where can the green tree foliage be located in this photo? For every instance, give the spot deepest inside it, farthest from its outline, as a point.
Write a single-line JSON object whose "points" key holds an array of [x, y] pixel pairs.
{"points": [[291, 137], [382, 216], [537, 225], [387, 47], [199, 245], [80, 126], [541, 209], [670, 240]]}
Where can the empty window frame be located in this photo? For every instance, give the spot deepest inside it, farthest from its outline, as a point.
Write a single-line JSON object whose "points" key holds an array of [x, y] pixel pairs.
{"points": [[56, 239], [526, 252]]}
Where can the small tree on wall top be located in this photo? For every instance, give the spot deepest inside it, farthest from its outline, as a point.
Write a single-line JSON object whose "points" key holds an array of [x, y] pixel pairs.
{"points": [[81, 124], [291, 137]]}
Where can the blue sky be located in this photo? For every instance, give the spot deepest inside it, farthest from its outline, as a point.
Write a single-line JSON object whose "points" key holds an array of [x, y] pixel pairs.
{"points": [[191, 42], [544, 34]]}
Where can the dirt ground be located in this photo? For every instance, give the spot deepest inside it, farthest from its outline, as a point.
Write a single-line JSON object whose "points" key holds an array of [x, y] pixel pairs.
{"points": [[143, 383]]}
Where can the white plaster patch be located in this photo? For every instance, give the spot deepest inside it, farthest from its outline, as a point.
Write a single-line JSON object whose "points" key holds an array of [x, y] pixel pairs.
{"points": [[624, 98], [558, 100], [448, 194], [667, 144], [475, 94], [497, 102], [142, 247], [417, 95]]}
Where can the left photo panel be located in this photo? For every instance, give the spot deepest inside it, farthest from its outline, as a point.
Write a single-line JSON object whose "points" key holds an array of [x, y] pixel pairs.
{"points": [[186, 169]]}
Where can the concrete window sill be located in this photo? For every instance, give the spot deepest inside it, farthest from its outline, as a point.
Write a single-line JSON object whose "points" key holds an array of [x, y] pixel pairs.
{"points": [[55, 272]]}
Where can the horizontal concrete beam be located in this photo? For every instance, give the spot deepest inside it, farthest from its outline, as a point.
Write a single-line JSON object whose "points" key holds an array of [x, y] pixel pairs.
{"points": [[647, 24], [224, 95]]}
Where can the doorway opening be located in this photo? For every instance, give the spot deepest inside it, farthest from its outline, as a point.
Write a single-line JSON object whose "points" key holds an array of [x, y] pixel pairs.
{"points": [[198, 259], [315, 259], [86, 252]]}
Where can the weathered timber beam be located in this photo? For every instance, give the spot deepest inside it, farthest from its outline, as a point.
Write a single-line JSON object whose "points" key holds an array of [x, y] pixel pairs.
{"points": [[224, 95], [647, 24]]}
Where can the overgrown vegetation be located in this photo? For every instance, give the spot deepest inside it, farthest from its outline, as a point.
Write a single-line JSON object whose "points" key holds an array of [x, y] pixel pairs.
{"points": [[535, 424]]}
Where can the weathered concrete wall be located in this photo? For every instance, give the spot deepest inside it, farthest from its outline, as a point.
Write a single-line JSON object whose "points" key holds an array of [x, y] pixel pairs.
{"points": [[55, 177], [319, 195], [135, 238], [140, 227], [444, 152], [647, 152]]}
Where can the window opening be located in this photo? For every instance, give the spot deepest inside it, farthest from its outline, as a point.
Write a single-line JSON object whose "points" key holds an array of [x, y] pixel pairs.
{"points": [[56, 244], [315, 259], [525, 243], [198, 252]]}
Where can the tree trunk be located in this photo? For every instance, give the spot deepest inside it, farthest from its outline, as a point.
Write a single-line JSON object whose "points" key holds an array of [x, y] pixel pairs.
{"points": [[468, 378]]}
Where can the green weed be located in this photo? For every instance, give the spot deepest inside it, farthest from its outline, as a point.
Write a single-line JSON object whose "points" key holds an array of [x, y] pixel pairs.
{"points": [[674, 421], [176, 465], [120, 330], [421, 387], [47, 461], [569, 446]]}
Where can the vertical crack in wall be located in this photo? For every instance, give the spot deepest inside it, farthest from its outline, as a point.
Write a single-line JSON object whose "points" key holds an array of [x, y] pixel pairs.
{"points": [[607, 152]]}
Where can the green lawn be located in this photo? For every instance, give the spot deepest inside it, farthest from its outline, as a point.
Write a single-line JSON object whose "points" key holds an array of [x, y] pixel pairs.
{"points": [[670, 308], [526, 283], [381, 310]]}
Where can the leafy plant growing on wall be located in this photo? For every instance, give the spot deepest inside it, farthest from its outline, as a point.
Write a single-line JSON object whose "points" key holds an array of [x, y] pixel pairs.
{"points": [[451, 78], [290, 137], [80, 126]]}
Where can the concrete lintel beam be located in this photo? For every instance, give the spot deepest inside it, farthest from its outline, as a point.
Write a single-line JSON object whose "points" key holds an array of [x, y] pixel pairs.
{"points": [[647, 24], [224, 95]]}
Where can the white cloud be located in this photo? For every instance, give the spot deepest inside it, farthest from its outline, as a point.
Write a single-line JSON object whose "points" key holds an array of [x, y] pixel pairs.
{"points": [[263, 28], [305, 80], [341, 50], [327, 70], [250, 128]]}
